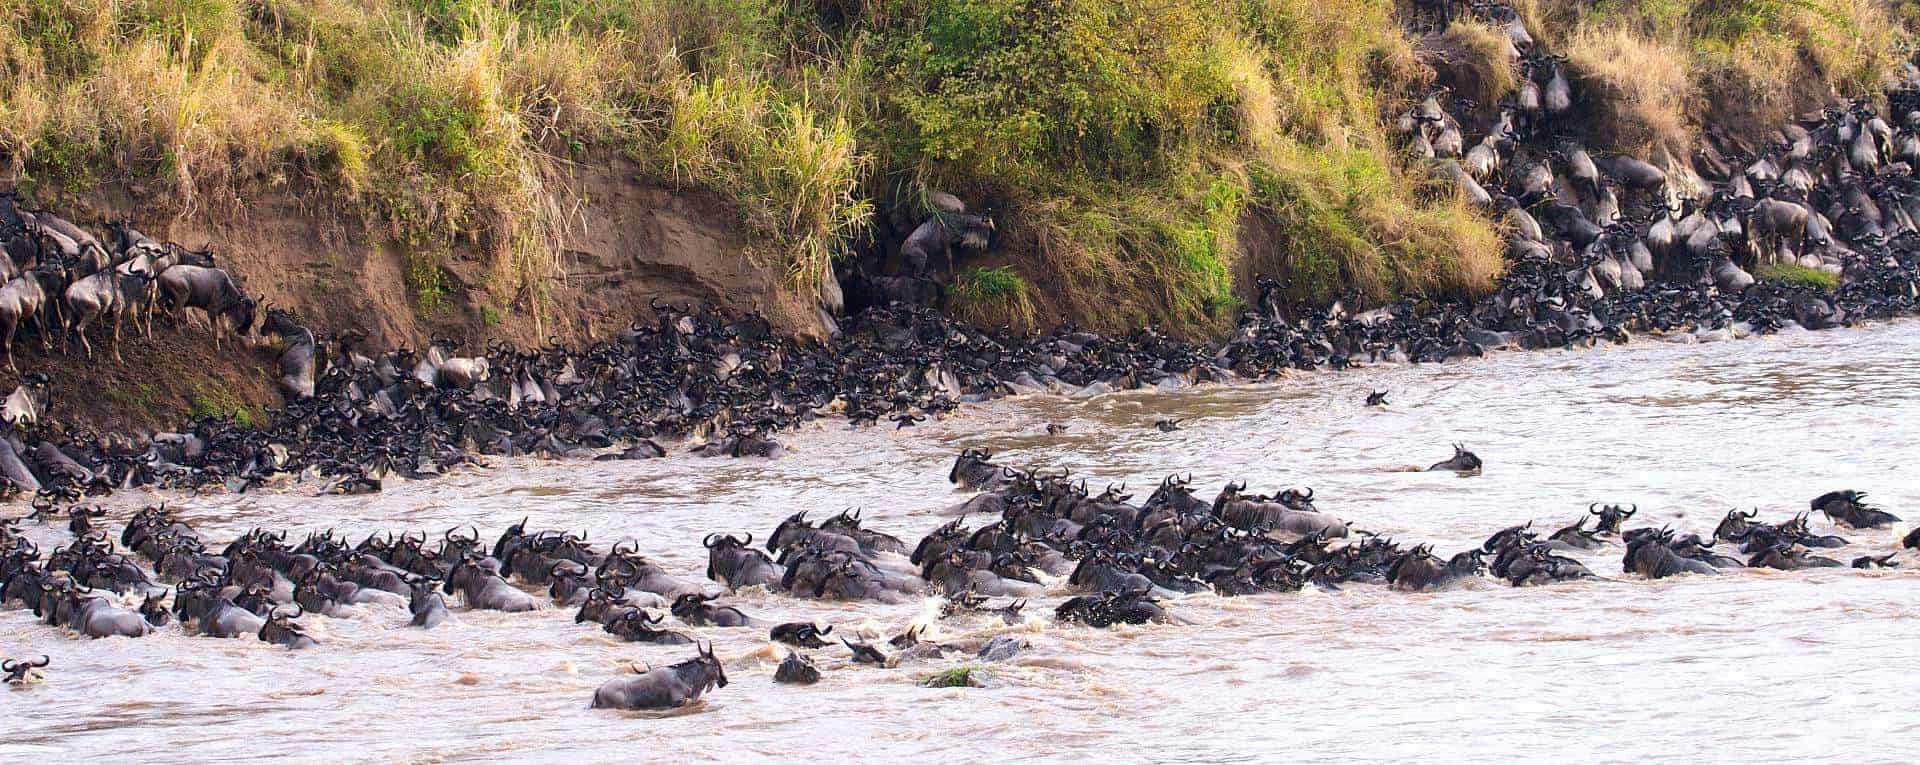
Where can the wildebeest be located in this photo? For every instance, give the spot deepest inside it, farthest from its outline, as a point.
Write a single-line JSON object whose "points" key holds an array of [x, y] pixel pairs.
{"points": [[1611, 517], [23, 299], [299, 353], [281, 630], [484, 589], [424, 602], [865, 653], [107, 293], [664, 688], [796, 670], [637, 626], [25, 672], [1419, 570], [730, 561], [1462, 461], [211, 613], [91, 615], [1650, 555], [693, 609], [1848, 508], [211, 290], [939, 234], [802, 634], [974, 470]]}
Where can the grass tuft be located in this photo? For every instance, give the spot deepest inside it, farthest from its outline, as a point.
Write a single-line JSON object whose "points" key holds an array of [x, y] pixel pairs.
{"points": [[1799, 276], [956, 677], [211, 400]]}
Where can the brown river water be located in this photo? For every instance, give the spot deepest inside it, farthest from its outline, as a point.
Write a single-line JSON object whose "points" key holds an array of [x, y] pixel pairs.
{"points": [[1753, 665]]}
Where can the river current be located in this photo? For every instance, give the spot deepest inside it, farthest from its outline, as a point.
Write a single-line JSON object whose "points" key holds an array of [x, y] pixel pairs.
{"points": [[1752, 665]]}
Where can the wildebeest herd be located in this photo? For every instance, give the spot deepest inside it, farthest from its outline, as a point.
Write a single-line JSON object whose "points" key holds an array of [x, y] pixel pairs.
{"points": [[1596, 254], [60, 280], [1598, 249], [1110, 559]]}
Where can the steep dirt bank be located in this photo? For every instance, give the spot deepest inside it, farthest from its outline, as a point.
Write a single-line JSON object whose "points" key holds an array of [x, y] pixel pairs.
{"points": [[631, 241]]}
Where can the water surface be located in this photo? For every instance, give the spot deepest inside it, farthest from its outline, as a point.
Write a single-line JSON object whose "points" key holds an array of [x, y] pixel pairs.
{"points": [[1753, 665]]}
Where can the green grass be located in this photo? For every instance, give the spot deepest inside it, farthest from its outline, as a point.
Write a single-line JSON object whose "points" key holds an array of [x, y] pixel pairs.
{"points": [[143, 396], [1800, 276], [428, 282], [956, 677], [996, 295], [212, 400]]}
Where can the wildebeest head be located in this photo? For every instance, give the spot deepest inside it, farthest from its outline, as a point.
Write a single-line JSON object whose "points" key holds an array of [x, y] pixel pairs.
{"points": [[790, 530], [1227, 494], [796, 670], [23, 672], [1736, 525], [1509, 537], [1611, 517], [802, 634]]}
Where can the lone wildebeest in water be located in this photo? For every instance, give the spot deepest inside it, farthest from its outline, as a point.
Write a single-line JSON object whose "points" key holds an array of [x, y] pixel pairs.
{"points": [[24, 672], [1462, 461], [1377, 398], [665, 688]]}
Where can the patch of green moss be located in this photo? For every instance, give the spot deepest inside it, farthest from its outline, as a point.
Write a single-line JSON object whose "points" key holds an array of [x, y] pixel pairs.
{"points": [[1798, 275]]}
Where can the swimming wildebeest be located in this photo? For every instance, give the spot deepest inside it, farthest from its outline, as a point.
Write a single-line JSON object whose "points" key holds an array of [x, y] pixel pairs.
{"points": [[666, 687], [1849, 508], [1462, 461]]}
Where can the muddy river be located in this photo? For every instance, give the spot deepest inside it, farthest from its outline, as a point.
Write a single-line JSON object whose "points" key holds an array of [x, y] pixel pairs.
{"points": [[1751, 665]]}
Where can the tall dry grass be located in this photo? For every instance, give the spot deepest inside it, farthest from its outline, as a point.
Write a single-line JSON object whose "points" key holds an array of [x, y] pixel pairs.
{"points": [[1663, 68], [449, 120]]}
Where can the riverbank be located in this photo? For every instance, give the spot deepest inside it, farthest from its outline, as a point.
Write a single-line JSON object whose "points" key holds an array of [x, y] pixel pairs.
{"points": [[485, 170]]}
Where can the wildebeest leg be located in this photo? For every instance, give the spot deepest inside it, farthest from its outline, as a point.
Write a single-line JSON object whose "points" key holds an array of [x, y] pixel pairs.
{"points": [[117, 317], [40, 324], [80, 329], [6, 345]]}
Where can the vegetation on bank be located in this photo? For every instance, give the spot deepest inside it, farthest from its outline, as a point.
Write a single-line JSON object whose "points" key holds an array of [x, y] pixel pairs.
{"points": [[1799, 276], [1663, 69], [1142, 157]]}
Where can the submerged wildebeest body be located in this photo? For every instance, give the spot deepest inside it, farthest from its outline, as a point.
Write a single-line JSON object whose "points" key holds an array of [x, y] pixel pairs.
{"points": [[796, 670], [801, 634], [1462, 461]]}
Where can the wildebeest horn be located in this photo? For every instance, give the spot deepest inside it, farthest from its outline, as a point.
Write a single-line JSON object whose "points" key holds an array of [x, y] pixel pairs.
{"points": [[708, 541]]}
